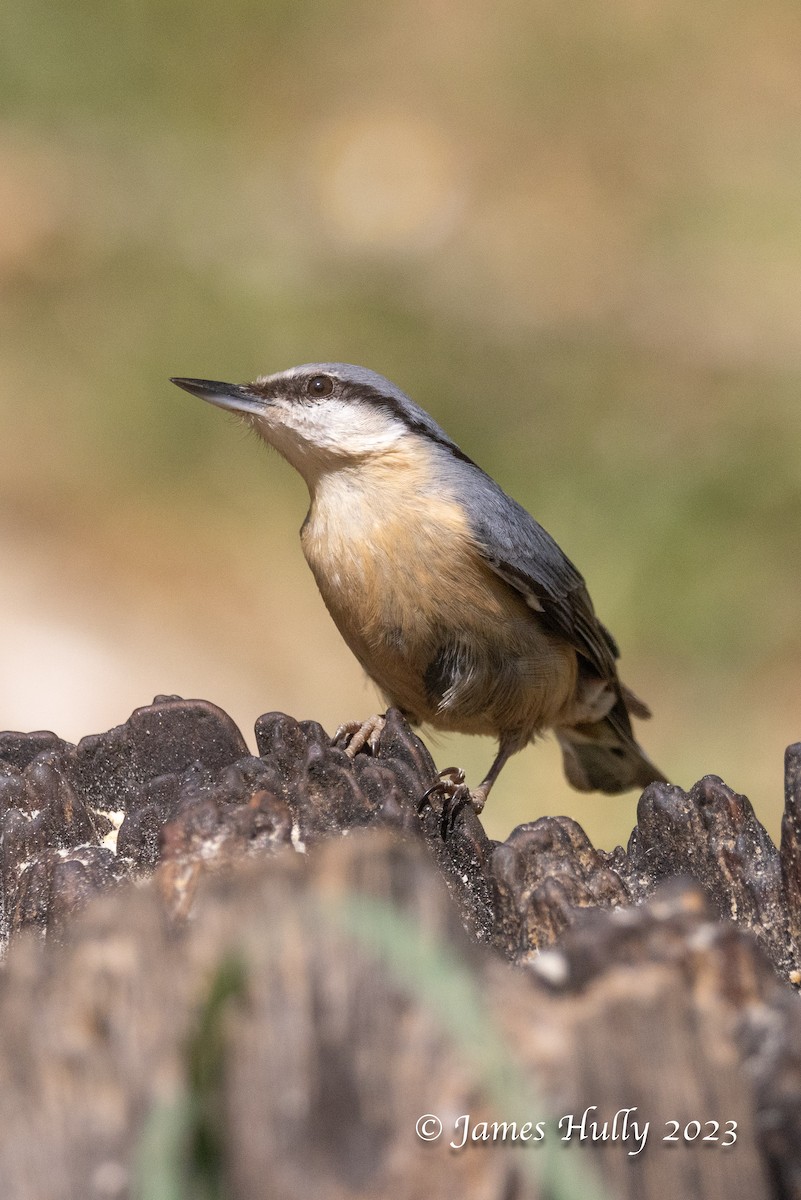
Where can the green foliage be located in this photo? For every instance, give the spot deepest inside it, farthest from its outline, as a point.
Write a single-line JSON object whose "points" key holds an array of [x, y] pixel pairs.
{"points": [[181, 1151]]}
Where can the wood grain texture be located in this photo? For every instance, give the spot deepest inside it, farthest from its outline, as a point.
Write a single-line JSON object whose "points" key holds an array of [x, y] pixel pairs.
{"points": [[578, 980]]}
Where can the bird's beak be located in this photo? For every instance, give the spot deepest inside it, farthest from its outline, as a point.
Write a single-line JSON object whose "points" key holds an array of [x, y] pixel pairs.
{"points": [[236, 397]]}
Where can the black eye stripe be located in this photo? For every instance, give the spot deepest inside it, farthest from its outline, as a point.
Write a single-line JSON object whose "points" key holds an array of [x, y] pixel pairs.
{"points": [[299, 388]]}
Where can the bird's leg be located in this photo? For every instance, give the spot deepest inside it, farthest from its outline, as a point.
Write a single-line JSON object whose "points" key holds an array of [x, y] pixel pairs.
{"points": [[353, 736], [455, 792], [505, 751]]}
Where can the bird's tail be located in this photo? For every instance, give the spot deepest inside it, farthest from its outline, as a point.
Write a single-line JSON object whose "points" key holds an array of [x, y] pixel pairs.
{"points": [[603, 756]]}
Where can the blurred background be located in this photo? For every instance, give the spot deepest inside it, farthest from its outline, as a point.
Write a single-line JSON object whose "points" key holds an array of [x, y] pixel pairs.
{"points": [[572, 232]]}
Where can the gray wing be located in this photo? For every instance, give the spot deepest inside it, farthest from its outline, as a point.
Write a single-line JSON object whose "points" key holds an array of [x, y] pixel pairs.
{"points": [[526, 557]]}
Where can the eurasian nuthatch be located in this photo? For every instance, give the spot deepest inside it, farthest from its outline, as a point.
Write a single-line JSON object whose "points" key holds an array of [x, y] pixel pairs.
{"points": [[455, 601]]}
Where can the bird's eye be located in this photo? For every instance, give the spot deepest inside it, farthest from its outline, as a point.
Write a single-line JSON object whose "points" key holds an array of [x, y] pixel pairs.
{"points": [[320, 385]]}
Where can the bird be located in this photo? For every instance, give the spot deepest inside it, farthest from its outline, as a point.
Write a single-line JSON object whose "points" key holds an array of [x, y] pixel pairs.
{"points": [[457, 603]]}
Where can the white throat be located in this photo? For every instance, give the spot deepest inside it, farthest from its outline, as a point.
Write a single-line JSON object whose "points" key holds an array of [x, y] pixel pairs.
{"points": [[319, 438]]}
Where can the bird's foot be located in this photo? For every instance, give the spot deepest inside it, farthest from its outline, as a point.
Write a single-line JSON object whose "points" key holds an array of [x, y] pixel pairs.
{"points": [[353, 736], [455, 793]]}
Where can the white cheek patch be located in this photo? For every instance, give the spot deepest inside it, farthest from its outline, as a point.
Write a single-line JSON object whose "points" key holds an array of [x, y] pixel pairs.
{"points": [[361, 429], [329, 427]]}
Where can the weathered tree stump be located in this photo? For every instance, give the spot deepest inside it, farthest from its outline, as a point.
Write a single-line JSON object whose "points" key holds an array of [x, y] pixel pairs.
{"points": [[255, 975]]}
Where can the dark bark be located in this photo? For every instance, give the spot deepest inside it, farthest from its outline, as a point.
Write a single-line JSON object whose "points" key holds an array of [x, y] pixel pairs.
{"points": [[218, 970]]}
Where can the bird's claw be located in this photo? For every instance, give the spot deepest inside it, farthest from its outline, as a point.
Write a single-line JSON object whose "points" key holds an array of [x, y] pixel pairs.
{"points": [[449, 780], [353, 736], [455, 794]]}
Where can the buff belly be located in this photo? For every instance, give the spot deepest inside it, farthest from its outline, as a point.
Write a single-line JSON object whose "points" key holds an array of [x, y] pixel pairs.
{"points": [[445, 639]]}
